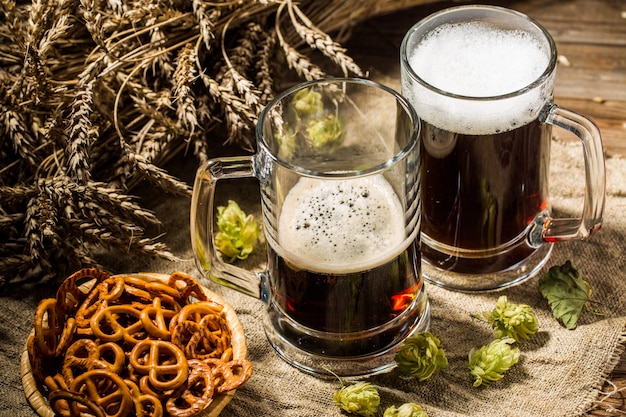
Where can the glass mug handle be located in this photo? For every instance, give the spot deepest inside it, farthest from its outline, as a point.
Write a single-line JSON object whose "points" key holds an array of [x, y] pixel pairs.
{"points": [[551, 230], [202, 221]]}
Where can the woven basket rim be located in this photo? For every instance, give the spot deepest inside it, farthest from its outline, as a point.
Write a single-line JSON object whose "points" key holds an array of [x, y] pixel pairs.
{"points": [[39, 403]]}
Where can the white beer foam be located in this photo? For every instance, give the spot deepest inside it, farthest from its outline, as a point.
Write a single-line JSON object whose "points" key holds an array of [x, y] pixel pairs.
{"points": [[475, 59], [341, 225]]}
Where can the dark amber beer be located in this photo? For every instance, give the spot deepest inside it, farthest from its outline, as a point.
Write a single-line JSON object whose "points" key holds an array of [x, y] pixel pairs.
{"points": [[482, 195], [481, 80], [338, 168], [345, 280]]}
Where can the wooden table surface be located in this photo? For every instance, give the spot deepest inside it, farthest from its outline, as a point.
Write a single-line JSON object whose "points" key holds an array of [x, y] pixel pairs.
{"points": [[591, 79]]}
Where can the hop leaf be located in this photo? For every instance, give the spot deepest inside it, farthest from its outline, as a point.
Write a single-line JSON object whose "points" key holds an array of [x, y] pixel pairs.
{"points": [[420, 356], [489, 363], [361, 398], [566, 292], [405, 410], [238, 233], [517, 321]]}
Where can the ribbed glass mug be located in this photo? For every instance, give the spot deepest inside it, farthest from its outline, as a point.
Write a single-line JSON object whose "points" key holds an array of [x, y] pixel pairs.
{"points": [[338, 167], [481, 79]]}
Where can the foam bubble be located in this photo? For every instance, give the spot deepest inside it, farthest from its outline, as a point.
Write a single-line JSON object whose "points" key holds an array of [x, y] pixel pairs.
{"points": [[475, 59], [478, 60], [339, 223]]}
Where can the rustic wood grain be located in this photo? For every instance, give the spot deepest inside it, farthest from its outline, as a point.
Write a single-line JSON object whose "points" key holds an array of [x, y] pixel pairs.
{"points": [[590, 35], [591, 79]]}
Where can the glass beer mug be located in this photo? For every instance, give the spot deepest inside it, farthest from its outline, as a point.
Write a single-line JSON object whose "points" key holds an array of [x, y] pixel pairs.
{"points": [[481, 79], [338, 169]]}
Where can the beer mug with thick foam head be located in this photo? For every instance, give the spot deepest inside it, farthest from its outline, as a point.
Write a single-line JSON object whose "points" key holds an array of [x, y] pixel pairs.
{"points": [[481, 80], [338, 167]]}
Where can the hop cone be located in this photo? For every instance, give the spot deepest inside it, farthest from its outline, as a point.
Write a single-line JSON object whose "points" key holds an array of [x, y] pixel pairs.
{"points": [[361, 398], [307, 102], [517, 321], [238, 233], [420, 356], [405, 410], [489, 363]]}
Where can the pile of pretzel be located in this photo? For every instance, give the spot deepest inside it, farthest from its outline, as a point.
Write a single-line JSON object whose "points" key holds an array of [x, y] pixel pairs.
{"points": [[126, 346]]}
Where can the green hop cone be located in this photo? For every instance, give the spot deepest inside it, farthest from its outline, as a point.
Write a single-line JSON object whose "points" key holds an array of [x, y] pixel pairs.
{"points": [[420, 356], [360, 398], [325, 132], [238, 233], [489, 363], [517, 321], [405, 410], [307, 102]]}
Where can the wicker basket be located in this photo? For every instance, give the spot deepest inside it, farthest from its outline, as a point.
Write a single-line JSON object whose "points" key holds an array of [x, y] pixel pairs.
{"points": [[40, 404]]}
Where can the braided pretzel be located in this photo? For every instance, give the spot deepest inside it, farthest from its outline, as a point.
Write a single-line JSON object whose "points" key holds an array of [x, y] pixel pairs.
{"points": [[90, 306]]}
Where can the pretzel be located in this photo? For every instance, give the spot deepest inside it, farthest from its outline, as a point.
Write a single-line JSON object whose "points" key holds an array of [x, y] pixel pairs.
{"points": [[79, 358], [192, 397], [126, 346], [241, 371], [154, 287], [90, 306], [146, 404], [55, 382], [110, 356], [52, 333], [69, 296], [226, 376], [144, 292], [156, 319], [188, 285], [163, 362], [208, 338], [117, 322], [195, 312], [62, 401], [106, 389], [85, 354], [37, 360], [147, 388]]}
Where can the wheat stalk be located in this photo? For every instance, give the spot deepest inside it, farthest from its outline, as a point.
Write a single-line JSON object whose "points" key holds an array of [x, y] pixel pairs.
{"points": [[96, 96]]}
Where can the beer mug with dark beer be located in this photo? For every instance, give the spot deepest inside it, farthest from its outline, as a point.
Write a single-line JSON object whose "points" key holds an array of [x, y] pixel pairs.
{"points": [[338, 168], [481, 80]]}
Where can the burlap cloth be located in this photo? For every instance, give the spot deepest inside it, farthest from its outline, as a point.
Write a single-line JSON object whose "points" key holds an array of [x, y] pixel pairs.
{"points": [[560, 372]]}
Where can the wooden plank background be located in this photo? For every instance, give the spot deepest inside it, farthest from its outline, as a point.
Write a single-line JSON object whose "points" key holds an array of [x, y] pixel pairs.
{"points": [[591, 79], [591, 41]]}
